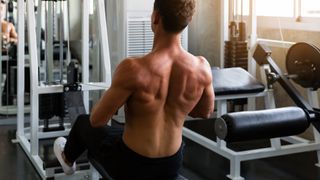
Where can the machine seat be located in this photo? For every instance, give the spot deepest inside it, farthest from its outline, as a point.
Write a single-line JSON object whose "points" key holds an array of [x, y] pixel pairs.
{"points": [[230, 81]]}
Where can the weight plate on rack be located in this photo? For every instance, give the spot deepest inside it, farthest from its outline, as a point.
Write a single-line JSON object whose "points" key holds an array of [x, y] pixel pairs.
{"points": [[303, 60]]}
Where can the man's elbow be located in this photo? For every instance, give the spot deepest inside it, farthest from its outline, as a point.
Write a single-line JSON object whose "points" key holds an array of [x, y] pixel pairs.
{"points": [[203, 114], [207, 115], [96, 123]]}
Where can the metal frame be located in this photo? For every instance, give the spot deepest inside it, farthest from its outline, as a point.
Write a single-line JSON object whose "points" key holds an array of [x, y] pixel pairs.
{"points": [[220, 146], [297, 144], [10, 109], [28, 137]]}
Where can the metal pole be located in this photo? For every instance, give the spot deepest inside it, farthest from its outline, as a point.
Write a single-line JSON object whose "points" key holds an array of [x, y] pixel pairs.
{"points": [[224, 29], [21, 64], [104, 42], [61, 39], [85, 50], [39, 26], [49, 40], [34, 117]]}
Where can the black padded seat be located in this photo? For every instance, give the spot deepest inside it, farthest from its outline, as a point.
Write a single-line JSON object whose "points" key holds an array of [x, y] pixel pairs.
{"points": [[99, 168], [105, 174], [230, 81]]}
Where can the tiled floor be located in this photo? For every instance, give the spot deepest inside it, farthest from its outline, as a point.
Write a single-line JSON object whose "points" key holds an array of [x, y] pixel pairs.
{"points": [[199, 163]]}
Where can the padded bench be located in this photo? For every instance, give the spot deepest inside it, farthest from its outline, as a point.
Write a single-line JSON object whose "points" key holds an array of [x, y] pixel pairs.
{"points": [[234, 83], [231, 81], [99, 168]]}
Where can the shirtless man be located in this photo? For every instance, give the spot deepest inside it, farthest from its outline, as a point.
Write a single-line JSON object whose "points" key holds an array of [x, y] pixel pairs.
{"points": [[9, 34], [158, 90]]}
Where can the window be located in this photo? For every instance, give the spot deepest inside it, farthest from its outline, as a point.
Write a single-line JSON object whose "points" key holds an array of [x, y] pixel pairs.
{"points": [[91, 7], [280, 8], [310, 8], [276, 8], [291, 14]]}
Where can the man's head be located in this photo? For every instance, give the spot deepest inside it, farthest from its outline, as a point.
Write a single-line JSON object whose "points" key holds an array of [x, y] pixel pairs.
{"points": [[175, 14]]}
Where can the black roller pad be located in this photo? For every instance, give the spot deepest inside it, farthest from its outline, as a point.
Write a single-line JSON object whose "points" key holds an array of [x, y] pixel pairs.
{"points": [[264, 124]]}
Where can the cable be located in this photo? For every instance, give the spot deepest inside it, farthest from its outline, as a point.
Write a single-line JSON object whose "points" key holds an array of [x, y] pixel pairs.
{"points": [[281, 35], [241, 11]]}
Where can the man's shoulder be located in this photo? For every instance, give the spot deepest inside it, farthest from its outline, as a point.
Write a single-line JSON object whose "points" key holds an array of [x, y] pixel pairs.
{"points": [[129, 67], [203, 68], [131, 62]]}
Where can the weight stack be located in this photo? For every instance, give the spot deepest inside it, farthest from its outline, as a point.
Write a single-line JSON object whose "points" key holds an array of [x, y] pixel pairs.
{"points": [[236, 54]]}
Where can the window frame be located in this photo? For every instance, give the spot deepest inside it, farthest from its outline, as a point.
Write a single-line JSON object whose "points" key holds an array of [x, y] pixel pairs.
{"points": [[297, 22]]}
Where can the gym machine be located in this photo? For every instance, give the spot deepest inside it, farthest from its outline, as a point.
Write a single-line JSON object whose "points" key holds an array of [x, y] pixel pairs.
{"points": [[31, 135], [236, 51], [236, 47], [303, 67], [8, 73]]}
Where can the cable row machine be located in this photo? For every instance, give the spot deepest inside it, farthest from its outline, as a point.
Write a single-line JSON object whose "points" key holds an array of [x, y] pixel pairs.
{"points": [[8, 73], [31, 134]]}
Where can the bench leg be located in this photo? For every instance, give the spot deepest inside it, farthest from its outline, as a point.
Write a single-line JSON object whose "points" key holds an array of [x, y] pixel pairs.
{"points": [[235, 167], [94, 173]]}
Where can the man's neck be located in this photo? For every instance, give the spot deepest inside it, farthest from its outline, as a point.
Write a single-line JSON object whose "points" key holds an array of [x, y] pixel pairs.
{"points": [[166, 41]]}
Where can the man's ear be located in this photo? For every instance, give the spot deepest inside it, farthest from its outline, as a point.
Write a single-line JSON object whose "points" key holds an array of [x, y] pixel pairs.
{"points": [[155, 17]]}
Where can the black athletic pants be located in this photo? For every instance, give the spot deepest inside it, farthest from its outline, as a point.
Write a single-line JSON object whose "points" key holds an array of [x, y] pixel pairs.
{"points": [[106, 146]]}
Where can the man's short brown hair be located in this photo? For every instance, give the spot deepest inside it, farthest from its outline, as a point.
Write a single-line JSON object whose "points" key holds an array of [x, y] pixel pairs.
{"points": [[175, 14]]}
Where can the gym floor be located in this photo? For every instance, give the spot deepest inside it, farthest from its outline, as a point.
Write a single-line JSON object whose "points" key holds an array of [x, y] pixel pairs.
{"points": [[199, 163]]}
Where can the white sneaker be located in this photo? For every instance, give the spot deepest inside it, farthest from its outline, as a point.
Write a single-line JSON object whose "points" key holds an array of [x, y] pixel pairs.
{"points": [[58, 148]]}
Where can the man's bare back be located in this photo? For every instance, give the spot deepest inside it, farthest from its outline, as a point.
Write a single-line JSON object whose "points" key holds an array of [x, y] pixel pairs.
{"points": [[168, 86], [160, 89], [163, 88]]}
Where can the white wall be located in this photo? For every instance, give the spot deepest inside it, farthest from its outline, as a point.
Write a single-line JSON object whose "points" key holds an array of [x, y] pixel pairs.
{"points": [[204, 31], [139, 5]]}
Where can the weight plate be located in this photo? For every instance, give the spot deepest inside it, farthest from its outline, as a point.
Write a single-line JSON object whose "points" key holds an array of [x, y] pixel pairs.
{"points": [[303, 60]]}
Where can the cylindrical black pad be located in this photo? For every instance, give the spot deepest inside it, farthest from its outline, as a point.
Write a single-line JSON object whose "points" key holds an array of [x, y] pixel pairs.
{"points": [[264, 124]]}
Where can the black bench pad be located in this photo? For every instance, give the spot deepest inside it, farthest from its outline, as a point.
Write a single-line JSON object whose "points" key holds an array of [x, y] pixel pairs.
{"points": [[99, 168], [230, 81], [105, 174]]}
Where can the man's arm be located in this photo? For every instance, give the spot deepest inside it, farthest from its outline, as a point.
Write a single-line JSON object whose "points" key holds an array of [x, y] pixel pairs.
{"points": [[205, 106], [121, 88], [13, 34]]}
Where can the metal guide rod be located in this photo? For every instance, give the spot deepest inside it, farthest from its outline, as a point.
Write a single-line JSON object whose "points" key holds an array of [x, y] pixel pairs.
{"points": [[224, 29], [34, 78], [252, 37], [49, 40], [21, 64], [61, 39], [104, 42], [39, 22], [68, 33], [85, 49]]}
